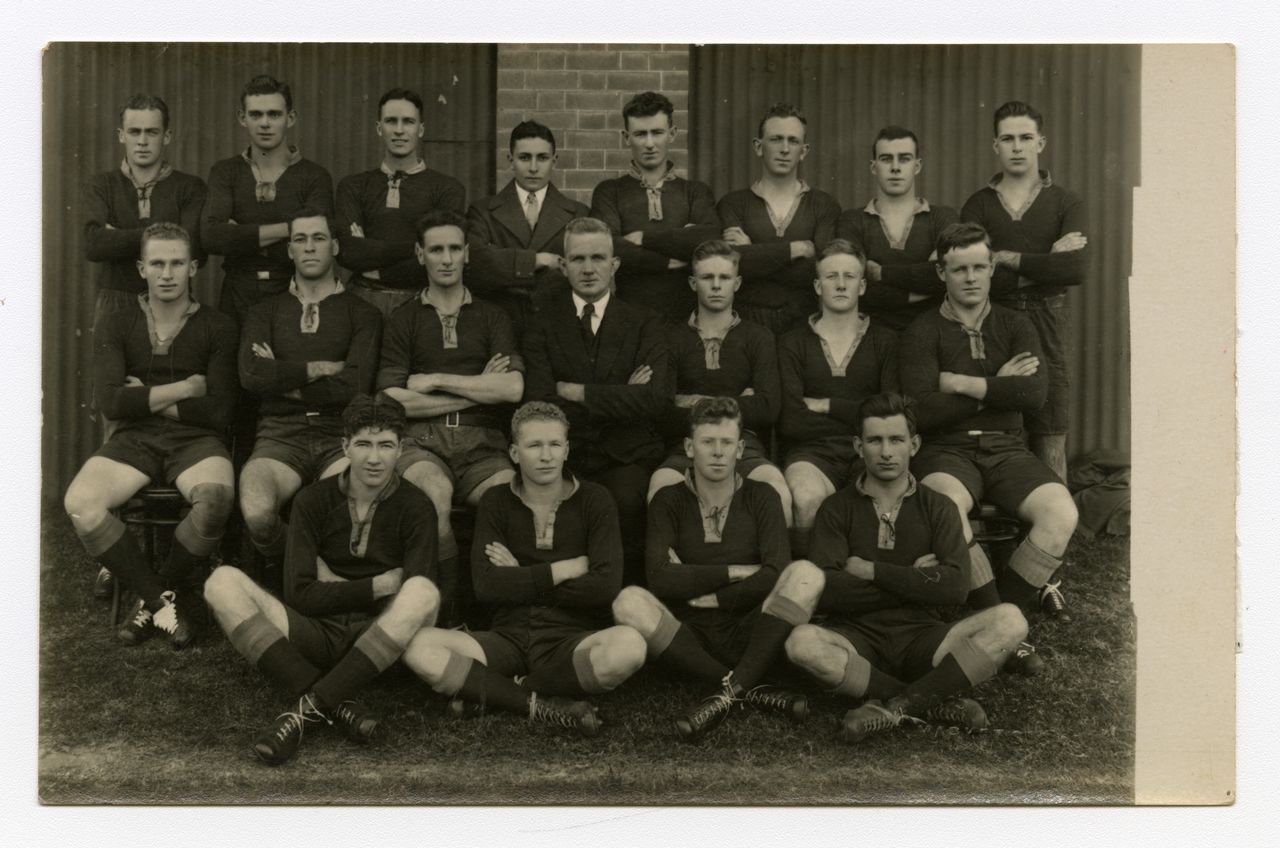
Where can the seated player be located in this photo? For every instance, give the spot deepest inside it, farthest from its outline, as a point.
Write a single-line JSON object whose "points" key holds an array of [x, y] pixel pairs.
{"points": [[378, 210], [515, 237], [452, 361], [715, 354], [656, 216], [974, 369], [359, 567], [897, 231], [605, 362], [891, 551], [548, 558], [779, 224], [165, 372], [306, 353], [717, 555], [828, 366]]}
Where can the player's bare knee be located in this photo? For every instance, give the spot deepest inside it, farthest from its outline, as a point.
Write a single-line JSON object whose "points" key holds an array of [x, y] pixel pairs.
{"points": [[426, 657], [1010, 623], [621, 656], [635, 607], [210, 507], [802, 583], [85, 509], [804, 646], [223, 585], [417, 602], [1058, 519]]}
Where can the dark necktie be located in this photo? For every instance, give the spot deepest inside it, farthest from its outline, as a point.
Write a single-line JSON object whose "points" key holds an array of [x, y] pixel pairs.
{"points": [[588, 334]]}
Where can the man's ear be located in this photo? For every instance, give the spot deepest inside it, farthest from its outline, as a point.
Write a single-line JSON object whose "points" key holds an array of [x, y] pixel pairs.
{"points": [[915, 444], [857, 445], [688, 447]]}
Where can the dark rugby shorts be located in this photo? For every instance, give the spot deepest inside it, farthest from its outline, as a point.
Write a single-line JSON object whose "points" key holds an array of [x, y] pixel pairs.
{"points": [[161, 450], [306, 444], [543, 655], [325, 640], [467, 455], [996, 468], [900, 642], [834, 456]]}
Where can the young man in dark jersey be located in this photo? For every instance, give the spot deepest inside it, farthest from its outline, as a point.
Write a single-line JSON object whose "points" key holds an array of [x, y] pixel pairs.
{"points": [[548, 557], [358, 587], [897, 230], [828, 365], [378, 210], [716, 354], [452, 360], [892, 551], [717, 555], [305, 353], [656, 216], [164, 372], [515, 238], [780, 225]]}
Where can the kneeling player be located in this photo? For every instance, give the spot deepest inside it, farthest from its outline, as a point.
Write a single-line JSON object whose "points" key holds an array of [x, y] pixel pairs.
{"points": [[892, 550], [548, 557], [715, 546], [164, 369], [358, 586]]}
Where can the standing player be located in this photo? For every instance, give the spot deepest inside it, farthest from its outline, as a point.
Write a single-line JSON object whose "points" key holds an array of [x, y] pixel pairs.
{"points": [[1037, 231], [306, 353], [828, 366], [779, 224], [119, 204], [165, 370], [548, 557], [715, 354], [897, 231], [378, 209], [515, 237], [358, 587], [892, 551], [974, 369], [658, 215], [717, 554], [452, 361], [253, 196], [605, 362]]}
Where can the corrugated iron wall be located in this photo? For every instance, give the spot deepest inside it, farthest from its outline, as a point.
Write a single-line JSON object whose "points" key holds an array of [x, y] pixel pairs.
{"points": [[1089, 96], [335, 90]]}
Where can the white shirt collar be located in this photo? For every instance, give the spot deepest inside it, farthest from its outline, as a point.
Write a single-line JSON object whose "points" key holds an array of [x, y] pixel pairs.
{"points": [[600, 306], [541, 194]]}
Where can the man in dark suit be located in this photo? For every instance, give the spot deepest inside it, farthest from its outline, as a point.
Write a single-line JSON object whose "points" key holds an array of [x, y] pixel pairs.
{"points": [[604, 361], [515, 236]]}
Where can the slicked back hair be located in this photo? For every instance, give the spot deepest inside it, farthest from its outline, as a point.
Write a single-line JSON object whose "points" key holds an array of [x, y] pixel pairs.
{"points": [[441, 218], [400, 94], [646, 104], [1016, 109], [267, 84], [585, 227], [313, 212], [164, 231], [887, 405], [712, 248], [532, 129], [839, 246], [957, 236], [782, 110], [373, 412], [893, 132], [713, 410], [537, 410], [144, 102]]}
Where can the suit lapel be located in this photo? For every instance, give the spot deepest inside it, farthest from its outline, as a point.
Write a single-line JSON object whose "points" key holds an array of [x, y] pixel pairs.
{"points": [[555, 213], [613, 328], [510, 214], [569, 332]]}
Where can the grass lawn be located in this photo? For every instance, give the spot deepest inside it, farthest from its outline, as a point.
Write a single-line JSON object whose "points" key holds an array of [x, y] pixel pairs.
{"points": [[149, 726]]}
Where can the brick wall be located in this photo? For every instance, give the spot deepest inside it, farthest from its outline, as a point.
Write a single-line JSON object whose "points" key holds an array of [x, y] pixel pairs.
{"points": [[578, 90]]}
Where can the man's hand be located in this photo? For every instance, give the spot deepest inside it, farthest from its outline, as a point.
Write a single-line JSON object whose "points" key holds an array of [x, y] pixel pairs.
{"points": [[197, 386], [708, 601], [736, 236], [1069, 242], [132, 382], [263, 350], [925, 561], [873, 271], [571, 391], [672, 556], [741, 572], [108, 226], [1021, 365], [542, 259], [686, 401], [421, 383], [635, 237], [1007, 258], [747, 392], [323, 368], [802, 250], [859, 567], [500, 556], [819, 405], [673, 264], [640, 376], [387, 583], [500, 363], [357, 230]]}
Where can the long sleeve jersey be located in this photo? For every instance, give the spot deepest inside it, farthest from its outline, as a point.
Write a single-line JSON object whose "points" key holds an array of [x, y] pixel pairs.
{"points": [[110, 198], [585, 523], [905, 266], [233, 197], [688, 218], [850, 524], [348, 330], [807, 370], [390, 232], [206, 345], [398, 531], [751, 531], [1052, 214], [745, 359], [933, 344], [770, 277]]}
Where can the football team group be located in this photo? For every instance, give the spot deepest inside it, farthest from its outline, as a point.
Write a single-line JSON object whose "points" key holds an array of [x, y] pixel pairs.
{"points": [[742, 439]]}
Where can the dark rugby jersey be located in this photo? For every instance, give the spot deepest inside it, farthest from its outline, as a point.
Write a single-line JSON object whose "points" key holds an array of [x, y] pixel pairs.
{"points": [[746, 358]]}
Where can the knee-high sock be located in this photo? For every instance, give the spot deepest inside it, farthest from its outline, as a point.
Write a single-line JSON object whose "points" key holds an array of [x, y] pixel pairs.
{"points": [[584, 671], [261, 643], [112, 545], [1029, 569], [799, 537], [272, 545], [964, 666], [675, 646], [863, 680], [371, 655], [772, 627], [477, 683], [197, 535]]}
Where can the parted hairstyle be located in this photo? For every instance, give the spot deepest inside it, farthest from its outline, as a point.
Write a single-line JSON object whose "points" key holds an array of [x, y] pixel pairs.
{"points": [[146, 102], [712, 248], [1016, 109], [713, 410], [267, 84], [839, 246], [585, 227], [782, 110], [532, 129], [887, 405], [893, 132], [646, 104], [959, 235], [373, 412], [313, 212], [537, 410], [441, 218], [164, 231], [400, 94]]}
